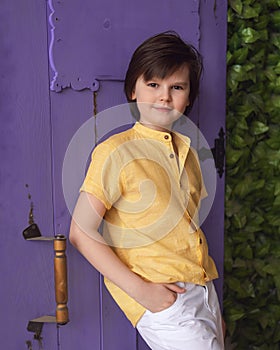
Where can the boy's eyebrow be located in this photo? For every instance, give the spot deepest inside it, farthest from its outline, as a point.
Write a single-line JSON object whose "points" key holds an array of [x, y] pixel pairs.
{"points": [[175, 83], [181, 83]]}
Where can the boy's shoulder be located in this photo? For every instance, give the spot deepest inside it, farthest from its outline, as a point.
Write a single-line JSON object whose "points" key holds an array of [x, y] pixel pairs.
{"points": [[117, 136]]}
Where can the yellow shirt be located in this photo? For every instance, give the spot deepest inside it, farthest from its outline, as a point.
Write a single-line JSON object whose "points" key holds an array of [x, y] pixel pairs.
{"points": [[152, 192]]}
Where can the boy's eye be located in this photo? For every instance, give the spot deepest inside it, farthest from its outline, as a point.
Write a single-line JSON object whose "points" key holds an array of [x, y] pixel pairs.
{"points": [[177, 87], [153, 85]]}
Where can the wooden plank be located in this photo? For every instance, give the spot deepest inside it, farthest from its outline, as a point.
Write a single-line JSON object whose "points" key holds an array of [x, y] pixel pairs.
{"points": [[26, 267], [212, 102], [69, 111], [117, 331]]}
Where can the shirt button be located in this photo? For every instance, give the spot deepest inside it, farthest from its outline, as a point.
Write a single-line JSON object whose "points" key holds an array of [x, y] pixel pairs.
{"points": [[171, 155], [166, 137]]}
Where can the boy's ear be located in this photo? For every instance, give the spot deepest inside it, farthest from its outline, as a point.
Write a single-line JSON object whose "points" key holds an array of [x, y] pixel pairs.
{"points": [[133, 95]]}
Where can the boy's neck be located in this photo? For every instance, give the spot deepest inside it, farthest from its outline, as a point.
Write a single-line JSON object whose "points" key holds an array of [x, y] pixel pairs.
{"points": [[157, 127]]}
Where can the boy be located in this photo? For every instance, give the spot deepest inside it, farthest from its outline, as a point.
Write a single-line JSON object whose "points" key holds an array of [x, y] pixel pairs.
{"points": [[146, 184]]}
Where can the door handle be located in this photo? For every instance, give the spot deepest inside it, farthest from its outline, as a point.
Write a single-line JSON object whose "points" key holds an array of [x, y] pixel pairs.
{"points": [[32, 233], [60, 277]]}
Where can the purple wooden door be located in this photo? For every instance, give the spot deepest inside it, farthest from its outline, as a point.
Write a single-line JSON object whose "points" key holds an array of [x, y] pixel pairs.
{"points": [[55, 75], [26, 287]]}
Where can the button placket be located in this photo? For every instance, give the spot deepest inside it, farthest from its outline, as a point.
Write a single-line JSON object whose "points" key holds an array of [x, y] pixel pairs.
{"points": [[171, 154]]}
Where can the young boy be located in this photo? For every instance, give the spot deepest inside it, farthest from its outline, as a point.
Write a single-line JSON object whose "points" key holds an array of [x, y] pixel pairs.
{"points": [[146, 185]]}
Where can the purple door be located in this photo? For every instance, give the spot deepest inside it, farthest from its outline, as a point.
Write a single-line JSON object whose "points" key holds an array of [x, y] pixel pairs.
{"points": [[61, 64]]}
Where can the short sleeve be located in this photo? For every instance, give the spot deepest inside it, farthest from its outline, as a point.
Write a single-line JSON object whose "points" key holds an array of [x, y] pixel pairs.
{"points": [[103, 178]]}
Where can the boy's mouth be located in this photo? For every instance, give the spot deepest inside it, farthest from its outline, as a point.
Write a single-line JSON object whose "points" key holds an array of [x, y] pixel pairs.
{"points": [[162, 109]]}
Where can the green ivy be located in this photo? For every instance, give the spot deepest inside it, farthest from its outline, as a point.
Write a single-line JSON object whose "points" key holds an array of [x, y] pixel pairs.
{"points": [[252, 223]]}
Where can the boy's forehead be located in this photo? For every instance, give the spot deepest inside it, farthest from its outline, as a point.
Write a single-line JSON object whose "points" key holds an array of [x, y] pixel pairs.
{"points": [[181, 73]]}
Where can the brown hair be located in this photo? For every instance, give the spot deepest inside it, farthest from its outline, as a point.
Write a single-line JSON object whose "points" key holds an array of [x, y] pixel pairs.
{"points": [[160, 56]]}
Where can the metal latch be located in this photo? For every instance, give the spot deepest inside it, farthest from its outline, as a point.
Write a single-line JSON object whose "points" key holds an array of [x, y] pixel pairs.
{"points": [[217, 152]]}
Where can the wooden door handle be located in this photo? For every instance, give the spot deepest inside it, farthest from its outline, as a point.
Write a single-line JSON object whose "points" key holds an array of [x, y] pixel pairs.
{"points": [[60, 277], [32, 233]]}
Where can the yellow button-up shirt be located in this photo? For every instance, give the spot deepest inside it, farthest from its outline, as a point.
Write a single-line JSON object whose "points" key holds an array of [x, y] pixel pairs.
{"points": [[151, 185]]}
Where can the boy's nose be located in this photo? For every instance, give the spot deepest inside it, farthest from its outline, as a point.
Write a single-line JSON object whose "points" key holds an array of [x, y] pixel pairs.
{"points": [[165, 94]]}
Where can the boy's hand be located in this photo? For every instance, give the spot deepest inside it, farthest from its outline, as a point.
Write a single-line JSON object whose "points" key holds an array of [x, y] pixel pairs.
{"points": [[158, 296]]}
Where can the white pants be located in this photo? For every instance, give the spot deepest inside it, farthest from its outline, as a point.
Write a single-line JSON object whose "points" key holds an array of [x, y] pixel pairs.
{"points": [[193, 322]]}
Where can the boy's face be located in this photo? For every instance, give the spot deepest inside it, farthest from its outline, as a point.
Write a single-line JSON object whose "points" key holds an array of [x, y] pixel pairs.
{"points": [[162, 101]]}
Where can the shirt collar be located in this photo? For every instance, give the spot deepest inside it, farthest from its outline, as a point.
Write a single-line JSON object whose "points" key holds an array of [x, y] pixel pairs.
{"points": [[162, 136]]}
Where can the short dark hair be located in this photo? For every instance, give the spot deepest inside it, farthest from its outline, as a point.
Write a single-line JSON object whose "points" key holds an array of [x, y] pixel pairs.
{"points": [[159, 57]]}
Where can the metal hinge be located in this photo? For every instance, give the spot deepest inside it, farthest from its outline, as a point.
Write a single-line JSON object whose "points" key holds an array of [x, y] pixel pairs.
{"points": [[218, 152]]}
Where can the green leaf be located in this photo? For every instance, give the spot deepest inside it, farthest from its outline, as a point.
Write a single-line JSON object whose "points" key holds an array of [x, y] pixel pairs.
{"points": [[250, 35], [257, 218], [263, 34], [272, 268], [247, 185], [273, 220], [263, 319], [254, 221], [236, 5], [275, 19], [244, 111], [277, 68], [253, 101], [229, 57], [238, 73], [249, 12], [276, 201], [262, 250], [262, 22], [238, 141], [240, 263], [276, 337], [239, 56], [234, 284], [273, 143], [230, 16], [260, 152], [259, 266], [273, 158], [275, 39], [239, 220], [277, 188], [236, 314], [248, 290], [233, 156], [270, 73], [258, 56], [258, 128], [275, 101]]}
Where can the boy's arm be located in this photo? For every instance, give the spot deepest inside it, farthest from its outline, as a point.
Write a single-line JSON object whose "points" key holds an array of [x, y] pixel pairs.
{"points": [[84, 236]]}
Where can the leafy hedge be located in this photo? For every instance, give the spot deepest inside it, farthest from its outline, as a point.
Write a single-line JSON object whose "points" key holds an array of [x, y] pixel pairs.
{"points": [[252, 232]]}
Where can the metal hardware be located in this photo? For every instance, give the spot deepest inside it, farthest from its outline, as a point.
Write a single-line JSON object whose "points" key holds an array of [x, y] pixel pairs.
{"points": [[36, 325], [32, 232], [28, 344], [36, 328], [217, 152]]}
